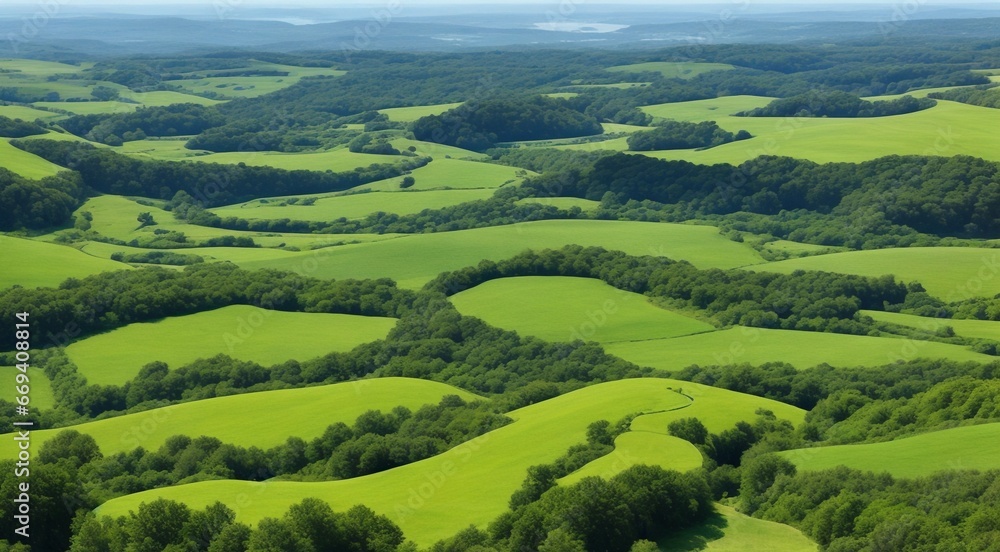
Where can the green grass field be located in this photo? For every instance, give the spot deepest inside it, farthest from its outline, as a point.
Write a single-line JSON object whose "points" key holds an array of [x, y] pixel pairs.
{"points": [[707, 110], [457, 174], [39, 68], [336, 160], [40, 393], [950, 273], [434, 498], [251, 87], [264, 419], [962, 448], [90, 108], [983, 329], [115, 217], [633, 448], [800, 349], [30, 263], [564, 202], [431, 254], [731, 531], [719, 409], [410, 114], [355, 206], [24, 163], [672, 69], [27, 113], [159, 98], [240, 331], [437, 151], [558, 308], [949, 128]]}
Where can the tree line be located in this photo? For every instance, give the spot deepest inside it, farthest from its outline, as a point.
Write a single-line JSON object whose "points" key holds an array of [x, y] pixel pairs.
{"points": [[211, 184], [834, 103]]}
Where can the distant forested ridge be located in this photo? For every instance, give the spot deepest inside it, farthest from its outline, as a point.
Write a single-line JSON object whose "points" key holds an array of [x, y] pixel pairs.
{"points": [[833, 103], [480, 125]]}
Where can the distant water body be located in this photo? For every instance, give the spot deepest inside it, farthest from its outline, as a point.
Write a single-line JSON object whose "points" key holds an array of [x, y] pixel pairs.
{"points": [[574, 27]]}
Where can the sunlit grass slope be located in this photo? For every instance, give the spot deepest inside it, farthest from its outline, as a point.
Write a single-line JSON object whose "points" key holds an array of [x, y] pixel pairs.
{"points": [[800, 349], [434, 498], [240, 331], [428, 255], [263, 419], [962, 448], [558, 308]]}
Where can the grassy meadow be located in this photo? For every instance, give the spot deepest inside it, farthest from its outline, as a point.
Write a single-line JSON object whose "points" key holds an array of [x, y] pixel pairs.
{"points": [[981, 329], [226, 87], [454, 174], [431, 254], [41, 388], [974, 447], [731, 531], [355, 206], [950, 273], [410, 114], [949, 128], [800, 349], [557, 308], [433, 498], [243, 332], [258, 422], [24, 163], [632, 448], [49, 263], [115, 217]]}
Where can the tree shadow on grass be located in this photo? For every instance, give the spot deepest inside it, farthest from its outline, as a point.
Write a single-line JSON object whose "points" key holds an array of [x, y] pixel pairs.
{"points": [[696, 538]]}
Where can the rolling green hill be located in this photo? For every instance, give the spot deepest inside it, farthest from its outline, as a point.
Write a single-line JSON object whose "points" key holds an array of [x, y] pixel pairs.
{"points": [[410, 114], [800, 349], [24, 163], [244, 332], [354, 206], [264, 419], [962, 448], [731, 531], [31, 263], [932, 131], [40, 392], [558, 308], [432, 254], [983, 329], [950, 273], [436, 497]]}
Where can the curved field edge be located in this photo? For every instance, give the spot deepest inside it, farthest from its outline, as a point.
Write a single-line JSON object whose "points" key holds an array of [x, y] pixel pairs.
{"points": [[265, 419], [434, 498], [244, 332], [564, 308], [974, 447]]}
